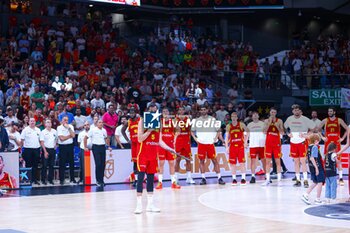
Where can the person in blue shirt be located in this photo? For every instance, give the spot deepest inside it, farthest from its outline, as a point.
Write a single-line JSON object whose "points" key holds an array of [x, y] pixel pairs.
{"points": [[66, 114], [316, 170]]}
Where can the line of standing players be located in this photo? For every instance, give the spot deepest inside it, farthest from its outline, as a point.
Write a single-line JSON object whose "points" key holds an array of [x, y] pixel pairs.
{"points": [[151, 147]]}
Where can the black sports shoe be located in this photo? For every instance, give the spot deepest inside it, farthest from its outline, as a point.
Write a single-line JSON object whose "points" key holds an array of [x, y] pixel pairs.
{"points": [[203, 182], [297, 183], [294, 179], [61, 182], [243, 182], [221, 181], [306, 184], [234, 182], [44, 182], [252, 180], [51, 182]]}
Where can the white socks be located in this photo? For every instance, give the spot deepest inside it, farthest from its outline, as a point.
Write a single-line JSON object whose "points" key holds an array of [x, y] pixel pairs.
{"points": [[243, 176], [219, 175], [150, 198], [160, 178], [139, 200], [233, 177], [298, 176], [279, 176], [189, 175], [253, 175], [305, 175], [268, 176], [203, 175], [341, 174], [138, 209], [173, 179]]}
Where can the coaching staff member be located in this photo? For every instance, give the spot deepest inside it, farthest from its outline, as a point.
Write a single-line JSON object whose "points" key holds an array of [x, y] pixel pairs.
{"points": [[99, 140], [65, 133]]}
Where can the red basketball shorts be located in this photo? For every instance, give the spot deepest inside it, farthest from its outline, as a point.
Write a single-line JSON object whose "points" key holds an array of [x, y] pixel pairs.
{"points": [[257, 152], [236, 154], [206, 151]]}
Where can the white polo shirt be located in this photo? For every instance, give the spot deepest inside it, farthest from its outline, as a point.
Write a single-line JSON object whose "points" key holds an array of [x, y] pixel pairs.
{"points": [[14, 146], [63, 131], [298, 126], [49, 138], [81, 137], [97, 136], [31, 137], [118, 132], [79, 122], [256, 137], [206, 129]]}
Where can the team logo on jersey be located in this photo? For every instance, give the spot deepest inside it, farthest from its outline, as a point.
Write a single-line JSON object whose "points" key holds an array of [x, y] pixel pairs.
{"points": [[151, 120]]}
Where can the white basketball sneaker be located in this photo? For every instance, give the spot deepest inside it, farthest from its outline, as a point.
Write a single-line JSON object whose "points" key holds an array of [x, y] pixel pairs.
{"points": [[138, 209], [152, 208], [189, 180], [266, 183]]}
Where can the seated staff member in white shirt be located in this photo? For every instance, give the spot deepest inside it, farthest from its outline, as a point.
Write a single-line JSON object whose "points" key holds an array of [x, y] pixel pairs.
{"points": [[14, 137], [31, 148], [299, 125], [256, 143], [65, 133], [122, 142], [48, 141], [99, 140], [81, 137], [205, 138]]}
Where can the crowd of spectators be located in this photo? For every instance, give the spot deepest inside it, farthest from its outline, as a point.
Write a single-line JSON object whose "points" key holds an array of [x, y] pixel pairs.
{"points": [[321, 64], [46, 69]]}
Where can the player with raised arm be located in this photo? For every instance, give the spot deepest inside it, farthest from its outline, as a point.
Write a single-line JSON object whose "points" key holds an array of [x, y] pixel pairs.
{"points": [[150, 139]]}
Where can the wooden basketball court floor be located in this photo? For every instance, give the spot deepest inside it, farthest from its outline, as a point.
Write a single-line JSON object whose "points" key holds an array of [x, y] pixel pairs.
{"points": [[210, 208]]}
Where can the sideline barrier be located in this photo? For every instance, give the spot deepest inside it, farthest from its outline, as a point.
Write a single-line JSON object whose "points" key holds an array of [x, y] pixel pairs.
{"points": [[119, 166]]}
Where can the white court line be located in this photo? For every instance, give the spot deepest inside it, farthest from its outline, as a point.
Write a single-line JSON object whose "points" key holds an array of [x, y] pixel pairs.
{"points": [[271, 203]]}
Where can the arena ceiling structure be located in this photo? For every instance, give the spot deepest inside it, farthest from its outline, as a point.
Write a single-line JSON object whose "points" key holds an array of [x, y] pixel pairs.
{"points": [[219, 6]]}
